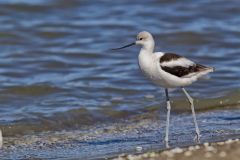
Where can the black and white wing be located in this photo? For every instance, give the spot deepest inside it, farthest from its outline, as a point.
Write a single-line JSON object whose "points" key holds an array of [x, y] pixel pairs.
{"points": [[181, 66]]}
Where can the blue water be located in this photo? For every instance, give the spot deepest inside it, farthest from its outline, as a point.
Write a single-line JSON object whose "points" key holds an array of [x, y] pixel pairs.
{"points": [[55, 59]]}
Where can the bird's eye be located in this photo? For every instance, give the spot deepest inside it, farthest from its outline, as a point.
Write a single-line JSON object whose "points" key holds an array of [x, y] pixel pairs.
{"points": [[140, 38]]}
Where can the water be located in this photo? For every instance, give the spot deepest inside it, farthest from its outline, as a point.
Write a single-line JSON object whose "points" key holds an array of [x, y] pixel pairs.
{"points": [[57, 73]]}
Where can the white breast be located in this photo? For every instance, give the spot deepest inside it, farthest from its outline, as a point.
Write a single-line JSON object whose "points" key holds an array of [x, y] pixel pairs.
{"points": [[148, 65]]}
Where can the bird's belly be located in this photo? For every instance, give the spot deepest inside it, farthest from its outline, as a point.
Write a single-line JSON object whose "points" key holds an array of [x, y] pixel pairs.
{"points": [[168, 82], [148, 72], [154, 76]]}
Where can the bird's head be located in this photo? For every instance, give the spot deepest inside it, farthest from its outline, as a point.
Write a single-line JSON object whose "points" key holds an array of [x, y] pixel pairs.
{"points": [[144, 38]]}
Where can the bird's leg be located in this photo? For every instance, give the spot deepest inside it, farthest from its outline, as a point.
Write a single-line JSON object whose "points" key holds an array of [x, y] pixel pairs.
{"points": [[1, 139], [190, 99], [168, 118]]}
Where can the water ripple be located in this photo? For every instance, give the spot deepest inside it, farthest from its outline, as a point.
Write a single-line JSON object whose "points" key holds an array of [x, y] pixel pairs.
{"points": [[55, 55]]}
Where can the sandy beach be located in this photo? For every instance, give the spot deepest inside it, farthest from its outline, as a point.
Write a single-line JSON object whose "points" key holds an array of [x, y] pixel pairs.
{"points": [[224, 150]]}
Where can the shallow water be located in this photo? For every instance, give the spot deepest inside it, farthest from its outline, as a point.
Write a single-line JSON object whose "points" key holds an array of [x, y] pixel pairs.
{"points": [[108, 140], [57, 72]]}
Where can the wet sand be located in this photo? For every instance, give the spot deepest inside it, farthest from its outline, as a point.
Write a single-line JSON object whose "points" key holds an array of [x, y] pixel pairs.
{"points": [[224, 150]]}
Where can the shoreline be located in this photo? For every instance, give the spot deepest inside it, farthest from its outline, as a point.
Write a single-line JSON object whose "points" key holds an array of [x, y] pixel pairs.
{"points": [[224, 150]]}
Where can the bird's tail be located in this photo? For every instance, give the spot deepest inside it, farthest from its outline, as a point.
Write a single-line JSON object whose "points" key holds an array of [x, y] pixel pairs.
{"points": [[204, 70]]}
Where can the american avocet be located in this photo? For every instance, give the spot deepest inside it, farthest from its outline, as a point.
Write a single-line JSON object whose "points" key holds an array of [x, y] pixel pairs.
{"points": [[168, 70]]}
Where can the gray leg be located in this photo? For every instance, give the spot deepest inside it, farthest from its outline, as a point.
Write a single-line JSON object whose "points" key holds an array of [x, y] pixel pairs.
{"points": [[190, 99], [168, 118], [1, 139]]}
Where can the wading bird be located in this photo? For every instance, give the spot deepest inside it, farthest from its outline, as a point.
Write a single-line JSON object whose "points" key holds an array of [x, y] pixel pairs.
{"points": [[168, 70]]}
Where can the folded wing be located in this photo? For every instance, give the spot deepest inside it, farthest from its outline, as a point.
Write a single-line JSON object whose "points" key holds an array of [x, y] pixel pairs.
{"points": [[182, 67]]}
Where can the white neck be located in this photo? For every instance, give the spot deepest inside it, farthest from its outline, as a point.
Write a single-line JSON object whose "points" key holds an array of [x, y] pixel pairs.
{"points": [[148, 47]]}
